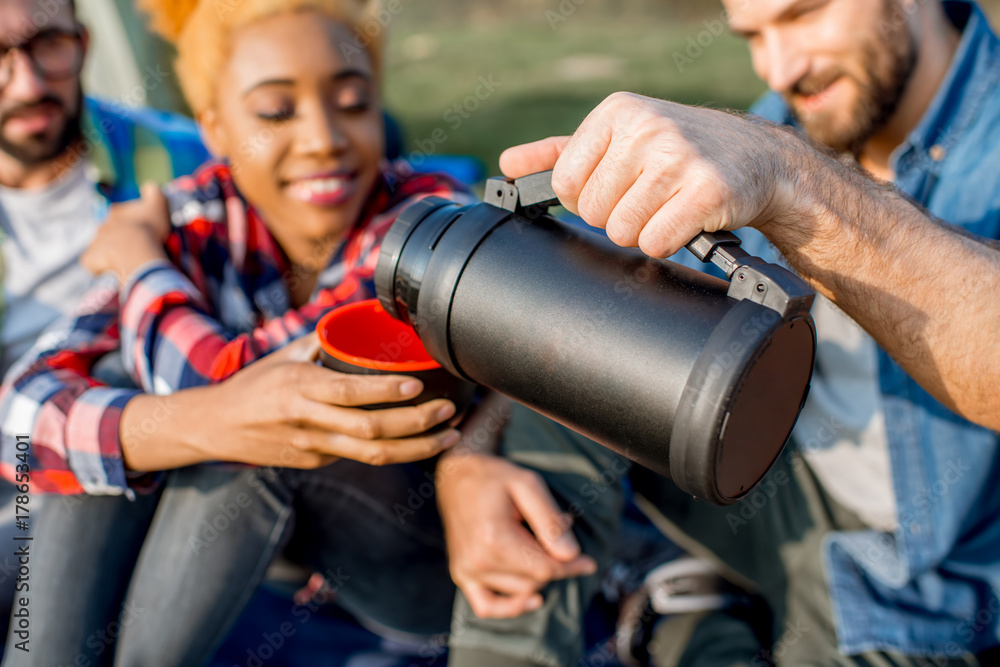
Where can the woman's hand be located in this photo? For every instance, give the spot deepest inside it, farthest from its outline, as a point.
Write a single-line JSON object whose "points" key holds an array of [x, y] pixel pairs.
{"points": [[132, 235], [285, 411]]}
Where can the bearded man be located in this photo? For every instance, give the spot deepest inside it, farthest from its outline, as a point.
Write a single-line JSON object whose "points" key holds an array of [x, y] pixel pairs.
{"points": [[875, 538], [64, 158]]}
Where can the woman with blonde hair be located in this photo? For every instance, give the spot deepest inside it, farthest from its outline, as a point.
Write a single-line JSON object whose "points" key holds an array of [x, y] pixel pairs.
{"points": [[221, 269]]}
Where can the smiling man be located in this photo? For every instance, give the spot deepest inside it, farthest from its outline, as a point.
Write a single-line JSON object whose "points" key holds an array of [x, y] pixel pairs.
{"points": [[891, 495], [856, 75], [64, 158], [879, 545]]}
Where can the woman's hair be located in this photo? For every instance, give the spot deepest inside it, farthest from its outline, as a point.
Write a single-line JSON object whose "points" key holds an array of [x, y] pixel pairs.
{"points": [[200, 29]]}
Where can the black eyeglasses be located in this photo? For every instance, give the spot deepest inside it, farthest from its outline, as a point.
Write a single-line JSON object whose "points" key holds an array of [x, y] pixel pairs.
{"points": [[56, 54]]}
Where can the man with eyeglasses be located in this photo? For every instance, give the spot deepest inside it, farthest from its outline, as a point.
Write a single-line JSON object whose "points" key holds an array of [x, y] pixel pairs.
{"points": [[63, 159]]}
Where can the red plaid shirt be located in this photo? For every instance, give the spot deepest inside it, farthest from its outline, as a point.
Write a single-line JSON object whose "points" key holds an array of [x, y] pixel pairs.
{"points": [[219, 304]]}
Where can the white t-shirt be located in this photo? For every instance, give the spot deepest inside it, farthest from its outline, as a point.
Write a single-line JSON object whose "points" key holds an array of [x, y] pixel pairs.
{"points": [[46, 229], [841, 431]]}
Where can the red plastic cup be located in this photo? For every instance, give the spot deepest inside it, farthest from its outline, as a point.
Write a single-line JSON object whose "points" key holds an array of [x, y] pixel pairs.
{"points": [[362, 339]]}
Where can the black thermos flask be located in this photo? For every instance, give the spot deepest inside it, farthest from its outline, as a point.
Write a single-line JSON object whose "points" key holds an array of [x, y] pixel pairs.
{"points": [[696, 378]]}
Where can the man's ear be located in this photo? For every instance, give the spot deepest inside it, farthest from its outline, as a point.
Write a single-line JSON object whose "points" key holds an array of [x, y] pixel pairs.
{"points": [[214, 133]]}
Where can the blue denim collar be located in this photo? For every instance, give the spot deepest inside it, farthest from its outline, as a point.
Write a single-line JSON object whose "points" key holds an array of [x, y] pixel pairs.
{"points": [[974, 71]]}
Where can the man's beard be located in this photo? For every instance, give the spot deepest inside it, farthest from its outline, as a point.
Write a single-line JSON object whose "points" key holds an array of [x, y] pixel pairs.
{"points": [[38, 149], [889, 59]]}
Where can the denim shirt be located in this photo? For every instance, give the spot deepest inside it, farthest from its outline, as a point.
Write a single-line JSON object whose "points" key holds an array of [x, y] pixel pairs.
{"points": [[930, 587]]}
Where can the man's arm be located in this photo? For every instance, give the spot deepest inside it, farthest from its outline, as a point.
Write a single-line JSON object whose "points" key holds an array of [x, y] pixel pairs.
{"points": [[929, 293], [654, 174]]}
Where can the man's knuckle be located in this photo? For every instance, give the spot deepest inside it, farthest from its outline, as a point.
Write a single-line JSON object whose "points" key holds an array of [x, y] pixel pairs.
{"points": [[563, 184], [594, 208], [653, 247], [620, 100], [491, 540], [479, 561], [625, 220]]}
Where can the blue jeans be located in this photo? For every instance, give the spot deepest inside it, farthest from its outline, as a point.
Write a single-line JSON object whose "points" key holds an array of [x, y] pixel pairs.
{"points": [[200, 549], [159, 581]]}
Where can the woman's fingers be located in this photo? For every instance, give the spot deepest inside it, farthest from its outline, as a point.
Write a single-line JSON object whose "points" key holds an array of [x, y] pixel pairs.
{"points": [[304, 349], [380, 452], [327, 386], [386, 424]]}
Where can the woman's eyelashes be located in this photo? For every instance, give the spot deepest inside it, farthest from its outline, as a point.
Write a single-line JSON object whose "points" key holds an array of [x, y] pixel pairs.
{"points": [[353, 99], [277, 116], [349, 100]]}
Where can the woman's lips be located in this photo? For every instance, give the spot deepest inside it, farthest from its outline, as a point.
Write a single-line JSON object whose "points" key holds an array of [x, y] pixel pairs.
{"points": [[326, 190]]}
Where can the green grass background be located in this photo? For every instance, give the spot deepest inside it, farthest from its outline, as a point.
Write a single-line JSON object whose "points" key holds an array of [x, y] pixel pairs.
{"points": [[550, 78]]}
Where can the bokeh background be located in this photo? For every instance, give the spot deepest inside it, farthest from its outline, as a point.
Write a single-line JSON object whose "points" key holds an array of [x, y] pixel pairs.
{"points": [[549, 63]]}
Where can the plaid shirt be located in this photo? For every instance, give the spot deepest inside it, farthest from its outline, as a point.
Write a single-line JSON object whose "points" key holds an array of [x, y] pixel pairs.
{"points": [[219, 304]]}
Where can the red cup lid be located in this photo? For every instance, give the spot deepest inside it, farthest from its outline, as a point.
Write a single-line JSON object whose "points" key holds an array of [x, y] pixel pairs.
{"points": [[363, 334]]}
